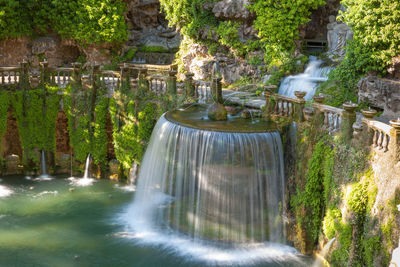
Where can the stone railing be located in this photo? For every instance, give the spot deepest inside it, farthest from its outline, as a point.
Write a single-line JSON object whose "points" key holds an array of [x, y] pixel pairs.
{"points": [[203, 90], [332, 117], [10, 75], [158, 84], [283, 106]]}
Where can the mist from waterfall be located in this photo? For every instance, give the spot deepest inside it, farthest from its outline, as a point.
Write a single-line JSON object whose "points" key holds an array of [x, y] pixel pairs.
{"points": [[307, 81]]}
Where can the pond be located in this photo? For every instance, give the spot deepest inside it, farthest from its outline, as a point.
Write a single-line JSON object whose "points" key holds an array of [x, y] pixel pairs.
{"points": [[58, 223]]}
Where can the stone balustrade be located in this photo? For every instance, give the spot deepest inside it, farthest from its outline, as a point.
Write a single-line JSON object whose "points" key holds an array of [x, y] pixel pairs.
{"points": [[380, 134], [10, 75], [158, 84], [332, 117], [203, 91]]}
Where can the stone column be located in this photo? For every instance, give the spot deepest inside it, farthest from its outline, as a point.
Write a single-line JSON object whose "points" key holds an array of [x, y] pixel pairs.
{"points": [[270, 102], [24, 78], [125, 76], [76, 75], [299, 107], [189, 85], [143, 83], [348, 119], [171, 83], [44, 72], [216, 89], [394, 144]]}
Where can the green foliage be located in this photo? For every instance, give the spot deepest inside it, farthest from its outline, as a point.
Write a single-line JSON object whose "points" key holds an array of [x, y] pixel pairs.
{"points": [[189, 15], [330, 224], [87, 112], [36, 112], [87, 21], [314, 197], [99, 139], [278, 24], [371, 245], [376, 27], [358, 198], [4, 105]]}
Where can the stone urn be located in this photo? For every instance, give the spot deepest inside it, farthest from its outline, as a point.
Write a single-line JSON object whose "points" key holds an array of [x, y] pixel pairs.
{"points": [[300, 94], [217, 112], [319, 98], [395, 124], [350, 107], [369, 113]]}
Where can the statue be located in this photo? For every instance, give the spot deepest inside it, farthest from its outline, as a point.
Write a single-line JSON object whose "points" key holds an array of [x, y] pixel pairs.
{"points": [[337, 35]]}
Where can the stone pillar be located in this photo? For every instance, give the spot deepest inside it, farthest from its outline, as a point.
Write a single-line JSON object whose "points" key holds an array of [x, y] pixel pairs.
{"points": [[189, 85], [270, 102], [348, 119], [143, 83], [171, 83], [299, 107], [216, 89], [24, 78], [76, 75], [125, 76], [44, 72], [319, 115], [394, 144]]}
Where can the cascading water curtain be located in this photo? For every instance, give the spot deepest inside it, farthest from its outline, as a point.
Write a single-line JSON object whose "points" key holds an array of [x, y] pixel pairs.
{"points": [[218, 186]]}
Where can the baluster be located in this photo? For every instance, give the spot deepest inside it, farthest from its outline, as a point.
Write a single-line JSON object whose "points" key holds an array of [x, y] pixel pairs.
{"points": [[375, 138], [385, 142], [326, 120], [276, 110], [287, 109], [2, 77], [63, 78], [380, 139], [9, 77]]}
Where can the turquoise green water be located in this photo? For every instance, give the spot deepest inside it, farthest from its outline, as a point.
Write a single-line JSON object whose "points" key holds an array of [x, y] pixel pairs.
{"points": [[44, 223]]}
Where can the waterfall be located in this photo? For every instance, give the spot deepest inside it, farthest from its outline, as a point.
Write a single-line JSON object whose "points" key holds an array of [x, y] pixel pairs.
{"points": [[307, 81], [43, 163], [202, 191], [87, 165]]}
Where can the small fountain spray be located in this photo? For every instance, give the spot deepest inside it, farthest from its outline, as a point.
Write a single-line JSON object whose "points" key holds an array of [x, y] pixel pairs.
{"points": [[44, 176], [85, 181]]}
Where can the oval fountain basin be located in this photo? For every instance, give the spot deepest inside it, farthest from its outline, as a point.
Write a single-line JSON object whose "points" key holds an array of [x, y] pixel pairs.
{"points": [[195, 116]]}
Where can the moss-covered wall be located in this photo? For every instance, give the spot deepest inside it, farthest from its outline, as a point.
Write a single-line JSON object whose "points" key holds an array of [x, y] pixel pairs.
{"points": [[347, 191]]}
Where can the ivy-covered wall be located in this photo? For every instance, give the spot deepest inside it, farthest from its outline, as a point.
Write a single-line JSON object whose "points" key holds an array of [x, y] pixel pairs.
{"points": [[347, 191]]}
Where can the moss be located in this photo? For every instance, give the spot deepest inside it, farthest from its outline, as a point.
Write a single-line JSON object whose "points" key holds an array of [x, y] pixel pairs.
{"points": [[4, 106], [36, 112]]}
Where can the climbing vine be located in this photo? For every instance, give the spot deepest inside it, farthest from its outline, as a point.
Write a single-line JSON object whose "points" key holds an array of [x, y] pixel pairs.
{"points": [[36, 111], [87, 21], [4, 105]]}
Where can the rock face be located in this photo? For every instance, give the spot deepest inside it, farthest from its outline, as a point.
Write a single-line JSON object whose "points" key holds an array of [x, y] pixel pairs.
{"points": [[317, 27], [233, 10], [381, 93], [147, 25], [57, 52]]}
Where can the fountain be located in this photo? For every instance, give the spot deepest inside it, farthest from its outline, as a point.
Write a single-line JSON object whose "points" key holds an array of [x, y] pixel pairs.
{"points": [[44, 176], [212, 190], [85, 181], [307, 81]]}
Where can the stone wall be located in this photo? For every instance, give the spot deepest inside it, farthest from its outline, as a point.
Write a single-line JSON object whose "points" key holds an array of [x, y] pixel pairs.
{"points": [[381, 93]]}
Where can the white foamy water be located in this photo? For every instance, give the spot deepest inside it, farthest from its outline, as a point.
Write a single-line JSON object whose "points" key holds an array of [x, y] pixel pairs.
{"points": [[81, 181], [5, 191], [308, 81]]}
